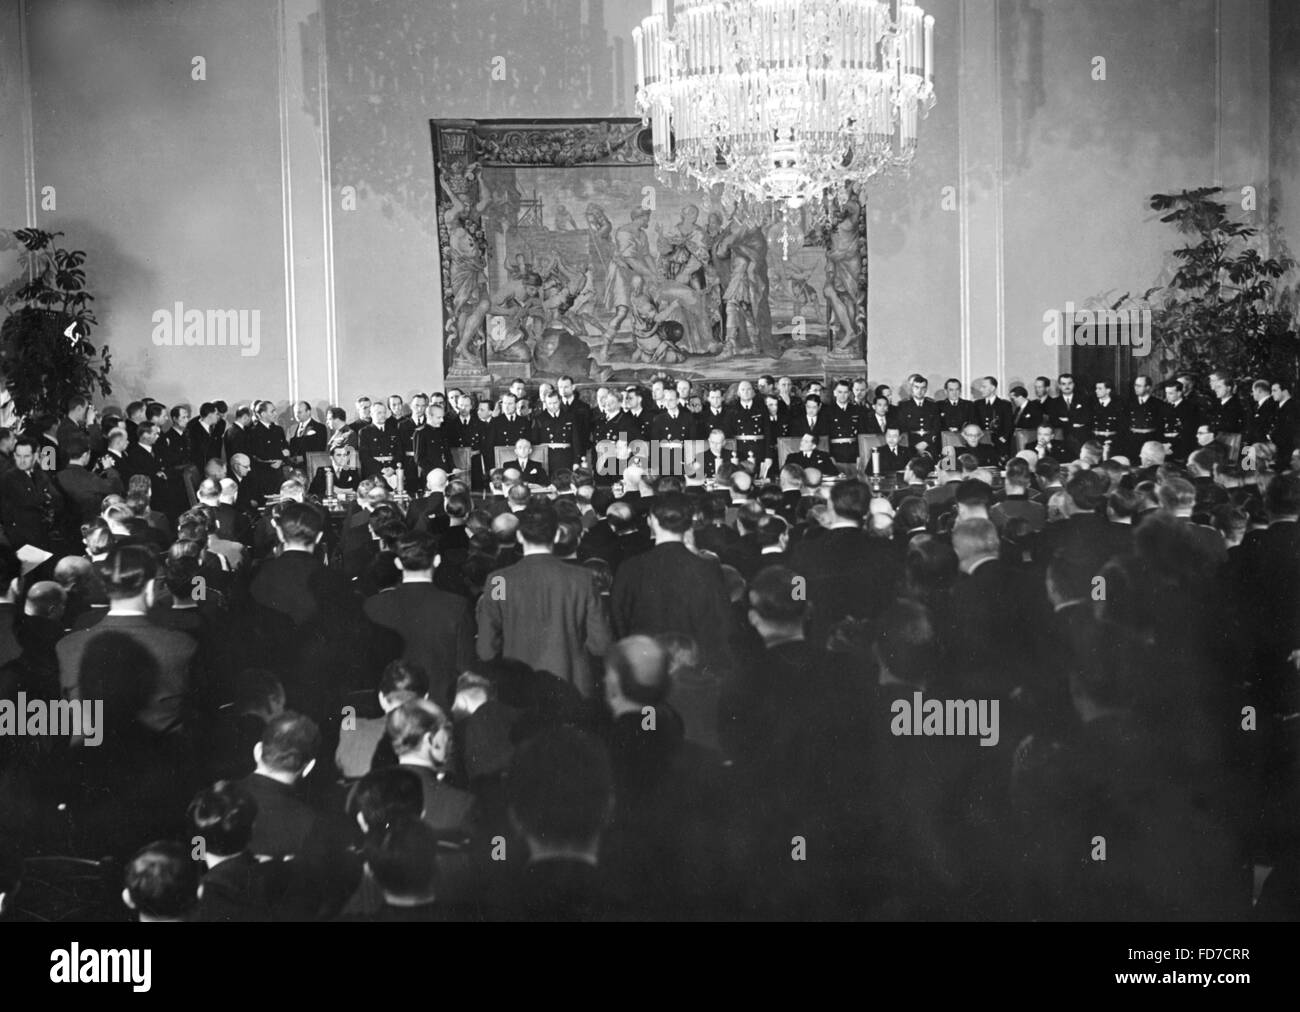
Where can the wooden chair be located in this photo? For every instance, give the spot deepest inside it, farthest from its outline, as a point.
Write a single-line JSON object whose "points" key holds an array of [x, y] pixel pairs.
{"points": [[1232, 443]]}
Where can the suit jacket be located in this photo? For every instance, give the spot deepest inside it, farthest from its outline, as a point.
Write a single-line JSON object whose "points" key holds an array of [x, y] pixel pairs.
{"points": [[436, 628], [31, 507], [236, 439], [286, 823], [874, 425], [670, 589], [848, 574], [548, 615], [84, 490], [312, 439], [204, 444], [452, 812], [172, 651], [300, 586], [1283, 433]]}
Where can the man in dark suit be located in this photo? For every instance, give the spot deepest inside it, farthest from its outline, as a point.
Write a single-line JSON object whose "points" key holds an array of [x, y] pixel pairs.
{"points": [[205, 442], [985, 611], [972, 444], [541, 610], [308, 435], [669, 589], [31, 508], [420, 735], [236, 436], [1085, 533], [236, 886], [128, 576], [436, 628], [1285, 429], [877, 421], [810, 455], [1069, 412], [893, 456], [848, 573], [1146, 419], [296, 583], [530, 471], [84, 490], [79, 421], [1226, 414], [287, 824], [560, 793]]}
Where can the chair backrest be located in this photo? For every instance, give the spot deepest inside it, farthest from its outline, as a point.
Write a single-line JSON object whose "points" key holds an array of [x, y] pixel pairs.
{"points": [[316, 459], [462, 458], [1232, 442], [1025, 437]]}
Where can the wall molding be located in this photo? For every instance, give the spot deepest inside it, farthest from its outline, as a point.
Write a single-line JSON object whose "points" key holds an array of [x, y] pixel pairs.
{"points": [[286, 204]]}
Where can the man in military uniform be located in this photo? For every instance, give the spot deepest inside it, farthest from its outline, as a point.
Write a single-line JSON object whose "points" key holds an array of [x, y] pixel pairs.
{"points": [[609, 425], [714, 415], [430, 444], [506, 428], [1109, 419], [918, 417], [954, 410], [994, 414], [1071, 414], [749, 427], [465, 430], [669, 431], [406, 430], [363, 414], [843, 421], [1146, 419], [1226, 414], [267, 449], [378, 442], [715, 455], [556, 429], [635, 417], [581, 413], [1181, 418]]}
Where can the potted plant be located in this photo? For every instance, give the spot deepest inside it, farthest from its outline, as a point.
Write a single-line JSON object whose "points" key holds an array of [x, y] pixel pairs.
{"points": [[45, 351], [1222, 306]]}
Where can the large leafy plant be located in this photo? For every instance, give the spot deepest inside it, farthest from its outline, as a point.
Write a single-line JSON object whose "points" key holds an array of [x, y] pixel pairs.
{"points": [[45, 351], [1226, 304]]}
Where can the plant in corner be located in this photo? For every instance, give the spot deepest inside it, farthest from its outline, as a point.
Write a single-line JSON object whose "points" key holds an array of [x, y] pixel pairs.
{"points": [[1222, 307], [45, 352]]}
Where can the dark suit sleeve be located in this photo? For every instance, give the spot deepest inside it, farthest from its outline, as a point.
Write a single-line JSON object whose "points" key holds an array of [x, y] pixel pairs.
{"points": [[466, 654]]}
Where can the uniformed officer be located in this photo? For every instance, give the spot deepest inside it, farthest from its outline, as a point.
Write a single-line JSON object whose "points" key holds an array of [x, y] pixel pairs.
{"points": [[1146, 419], [1109, 419], [669, 431], [843, 420], [1181, 417], [954, 410], [430, 445], [556, 429], [749, 427], [377, 442], [508, 427], [714, 415], [918, 417], [267, 449], [1226, 414], [466, 431]]}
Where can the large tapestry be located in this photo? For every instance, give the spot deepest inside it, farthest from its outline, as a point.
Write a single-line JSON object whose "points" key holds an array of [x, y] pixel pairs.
{"points": [[561, 253]]}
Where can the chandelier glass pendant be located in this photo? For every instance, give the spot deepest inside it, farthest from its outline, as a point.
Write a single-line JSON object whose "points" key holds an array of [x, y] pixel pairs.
{"points": [[785, 101]]}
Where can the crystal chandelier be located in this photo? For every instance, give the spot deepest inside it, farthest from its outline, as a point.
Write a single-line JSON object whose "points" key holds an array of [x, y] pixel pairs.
{"points": [[785, 101]]}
